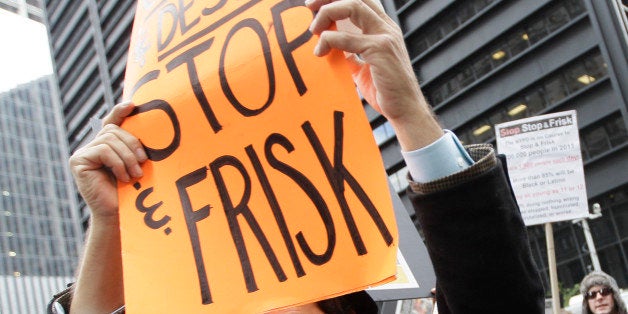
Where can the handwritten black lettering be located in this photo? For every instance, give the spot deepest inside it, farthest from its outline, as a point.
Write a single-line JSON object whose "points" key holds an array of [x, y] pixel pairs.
{"points": [[171, 10], [242, 208], [149, 211], [259, 30], [306, 185], [182, 9], [156, 154], [210, 28], [150, 76], [274, 205], [210, 10], [187, 58], [287, 47], [337, 175], [191, 218]]}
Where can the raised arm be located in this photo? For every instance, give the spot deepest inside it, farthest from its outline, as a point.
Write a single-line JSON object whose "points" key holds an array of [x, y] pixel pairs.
{"points": [[382, 68], [112, 154], [473, 229]]}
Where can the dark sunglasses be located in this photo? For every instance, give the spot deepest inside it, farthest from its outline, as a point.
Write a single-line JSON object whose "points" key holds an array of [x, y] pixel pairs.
{"points": [[603, 291]]}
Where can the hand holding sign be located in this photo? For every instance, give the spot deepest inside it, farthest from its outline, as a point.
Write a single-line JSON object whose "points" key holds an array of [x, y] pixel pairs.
{"points": [[286, 202], [112, 154], [381, 66], [113, 151]]}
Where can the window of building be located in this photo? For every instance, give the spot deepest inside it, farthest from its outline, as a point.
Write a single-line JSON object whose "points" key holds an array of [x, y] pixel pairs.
{"points": [[616, 130], [481, 132], [518, 109], [432, 34], [620, 213], [566, 81], [535, 100], [555, 89], [612, 262], [536, 31], [400, 3], [566, 246], [515, 42], [383, 133], [577, 77], [557, 18], [399, 180], [602, 136]]}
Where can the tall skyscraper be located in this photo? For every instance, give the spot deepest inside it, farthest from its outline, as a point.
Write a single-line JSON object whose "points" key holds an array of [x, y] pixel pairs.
{"points": [[40, 230], [483, 62], [89, 43], [31, 9], [480, 62]]}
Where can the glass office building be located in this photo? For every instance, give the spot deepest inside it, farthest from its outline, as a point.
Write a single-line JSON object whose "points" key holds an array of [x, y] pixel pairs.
{"points": [[40, 231]]}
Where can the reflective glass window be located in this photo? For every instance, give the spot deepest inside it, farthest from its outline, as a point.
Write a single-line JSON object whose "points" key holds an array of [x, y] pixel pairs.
{"points": [[517, 43], [577, 77], [575, 7], [465, 13], [383, 132], [596, 66], [399, 180], [482, 66], [478, 5], [555, 90], [465, 77], [596, 141], [417, 45], [536, 31], [517, 110], [620, 213], [449, 25], [481, 132], [557, 18], [535, 100], [497, 117], [616, 129], [434, 36]]}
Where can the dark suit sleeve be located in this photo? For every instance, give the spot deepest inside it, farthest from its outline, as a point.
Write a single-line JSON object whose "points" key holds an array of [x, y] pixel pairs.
{"points": [[477, 241]]}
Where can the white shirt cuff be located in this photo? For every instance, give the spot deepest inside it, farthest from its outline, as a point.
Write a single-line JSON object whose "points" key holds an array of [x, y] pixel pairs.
{"points": [[444, 157]]}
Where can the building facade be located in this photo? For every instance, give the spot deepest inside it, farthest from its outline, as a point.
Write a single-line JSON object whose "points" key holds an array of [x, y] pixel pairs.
{"points": [[484, 62], [89, 42], [31, 9], [480, 62], [40, 231]]}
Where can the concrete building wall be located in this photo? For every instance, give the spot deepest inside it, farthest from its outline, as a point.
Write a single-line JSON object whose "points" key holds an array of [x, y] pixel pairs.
{"points": [[483, 62]]}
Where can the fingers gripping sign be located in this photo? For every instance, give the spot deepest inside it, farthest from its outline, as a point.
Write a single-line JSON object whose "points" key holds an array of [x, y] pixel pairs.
{"points": [[269, 191], [385, 71], [113, 154]]}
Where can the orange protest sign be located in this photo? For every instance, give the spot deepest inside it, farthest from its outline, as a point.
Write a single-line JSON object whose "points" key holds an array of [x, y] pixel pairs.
{"points": [[264, 187]]}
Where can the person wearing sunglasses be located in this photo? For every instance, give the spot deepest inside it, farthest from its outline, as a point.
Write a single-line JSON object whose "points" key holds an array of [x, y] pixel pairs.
{"points": [[600, 295]]}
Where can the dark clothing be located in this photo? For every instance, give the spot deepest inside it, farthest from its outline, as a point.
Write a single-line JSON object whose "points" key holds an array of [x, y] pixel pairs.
{"points": [[477, 241]]}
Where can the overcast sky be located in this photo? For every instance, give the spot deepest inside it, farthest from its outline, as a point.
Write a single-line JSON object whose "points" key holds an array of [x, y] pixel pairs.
{"points": [[24, 50]]}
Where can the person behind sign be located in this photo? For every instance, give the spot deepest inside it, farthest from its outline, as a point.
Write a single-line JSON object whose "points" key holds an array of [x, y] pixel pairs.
{"points": [[601, 295], [473, 230]]}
